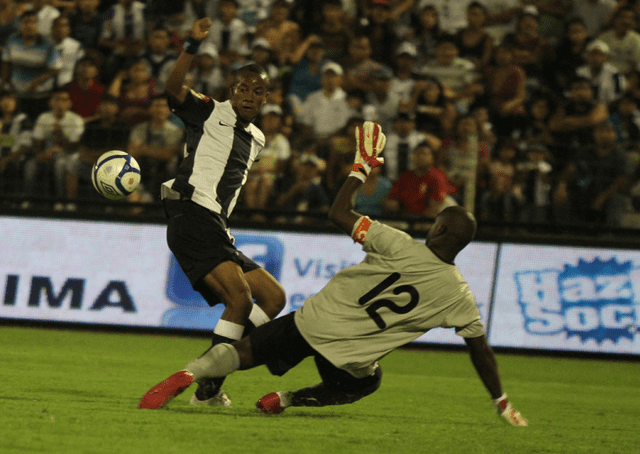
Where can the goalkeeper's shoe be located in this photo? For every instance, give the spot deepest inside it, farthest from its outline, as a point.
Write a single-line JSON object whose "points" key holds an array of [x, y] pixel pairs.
{"points": [[163, 392], [272, 403], [509, 414], [219, 400]]}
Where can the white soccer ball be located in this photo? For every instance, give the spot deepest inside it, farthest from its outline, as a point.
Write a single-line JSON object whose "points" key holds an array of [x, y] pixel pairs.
{"points": [[115, 174]]}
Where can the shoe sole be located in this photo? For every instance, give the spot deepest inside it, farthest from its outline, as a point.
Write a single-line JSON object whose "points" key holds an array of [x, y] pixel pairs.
{"points": [[163, 392], [216, 401]]}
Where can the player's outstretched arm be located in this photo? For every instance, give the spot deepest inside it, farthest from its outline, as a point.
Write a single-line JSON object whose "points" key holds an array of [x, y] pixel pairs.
{"points": [[484, 361], [370, 143], [174, 84]]}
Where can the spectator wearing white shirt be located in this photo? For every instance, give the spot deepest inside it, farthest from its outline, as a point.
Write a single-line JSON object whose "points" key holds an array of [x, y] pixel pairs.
{"points": [[326, 111], [608, 82], [15, 142], [384, 102], [401, 141], [594, 13], [502, 17], [228, 33], [457, 75], [159, 55], [70, 49], [124, 33], [194, 10], [451, 13], [623, 40], [124, 27], [207, 76], [46, 15], [404, 77], [271, 161], [55, 135]]}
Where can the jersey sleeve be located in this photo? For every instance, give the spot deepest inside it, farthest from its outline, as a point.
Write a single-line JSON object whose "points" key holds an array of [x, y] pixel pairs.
{"points": [[385, 240], [473, 329], [195, 108]]}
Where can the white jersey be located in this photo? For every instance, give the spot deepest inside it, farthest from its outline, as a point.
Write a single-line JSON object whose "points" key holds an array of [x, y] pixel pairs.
{"points": [[397, 293], [219, 152]]}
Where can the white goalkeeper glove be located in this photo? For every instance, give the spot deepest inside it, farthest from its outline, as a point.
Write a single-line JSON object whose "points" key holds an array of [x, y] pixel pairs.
{"points": [[507, 413], [370, 143]]}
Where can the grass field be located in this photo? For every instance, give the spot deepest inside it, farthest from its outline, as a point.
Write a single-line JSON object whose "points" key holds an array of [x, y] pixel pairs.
{"points": [[64, 391]]}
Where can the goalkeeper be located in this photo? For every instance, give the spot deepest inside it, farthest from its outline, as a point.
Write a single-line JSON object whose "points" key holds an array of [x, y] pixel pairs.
{"points": [[402, 289]]}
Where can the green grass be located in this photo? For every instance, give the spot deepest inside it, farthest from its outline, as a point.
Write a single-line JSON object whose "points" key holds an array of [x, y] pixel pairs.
{"points": [[64, 391]]}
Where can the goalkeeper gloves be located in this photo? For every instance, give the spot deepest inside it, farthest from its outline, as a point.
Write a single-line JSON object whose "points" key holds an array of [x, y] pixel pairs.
{"points": [[370, 143], [508, 413]]}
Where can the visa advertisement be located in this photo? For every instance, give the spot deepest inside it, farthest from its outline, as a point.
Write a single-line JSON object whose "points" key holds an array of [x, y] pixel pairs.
{"points": [[540, 297], [567, 298], [124, 274]]}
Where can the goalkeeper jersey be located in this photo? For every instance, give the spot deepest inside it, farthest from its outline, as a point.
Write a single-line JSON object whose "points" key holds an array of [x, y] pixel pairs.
{"points": [[397, 293]]}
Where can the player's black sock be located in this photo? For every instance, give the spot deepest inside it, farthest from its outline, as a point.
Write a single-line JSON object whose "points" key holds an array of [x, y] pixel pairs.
{"points": [[346, 393], [319, 396], [248, 328], [209, 387]]}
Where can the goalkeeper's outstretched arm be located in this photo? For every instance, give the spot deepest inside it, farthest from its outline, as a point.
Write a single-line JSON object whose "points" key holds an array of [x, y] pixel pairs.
{"points": [[370, 143], [342, 212], [484, 360]]}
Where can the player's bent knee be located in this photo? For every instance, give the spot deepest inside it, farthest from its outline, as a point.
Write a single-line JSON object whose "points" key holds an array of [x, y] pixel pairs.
{"points": [[268, 292], [278, 299], [342, 382]]}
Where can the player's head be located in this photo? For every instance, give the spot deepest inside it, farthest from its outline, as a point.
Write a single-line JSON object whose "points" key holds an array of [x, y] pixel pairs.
{"points": [[454, 228], [249, 92]]}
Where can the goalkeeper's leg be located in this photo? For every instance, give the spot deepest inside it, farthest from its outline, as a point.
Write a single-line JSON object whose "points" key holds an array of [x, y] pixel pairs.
{"points": [[338, 387]]}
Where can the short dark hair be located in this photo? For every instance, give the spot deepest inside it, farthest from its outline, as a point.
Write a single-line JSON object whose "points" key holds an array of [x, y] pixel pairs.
{"points": [[107, 97], [423, 144], [28, 13], [87, 59], [476, 4], [252, 68], [447, 38]]}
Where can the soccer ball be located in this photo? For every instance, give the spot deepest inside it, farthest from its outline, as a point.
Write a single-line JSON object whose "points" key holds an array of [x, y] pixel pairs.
{"points": [[115, 174]]}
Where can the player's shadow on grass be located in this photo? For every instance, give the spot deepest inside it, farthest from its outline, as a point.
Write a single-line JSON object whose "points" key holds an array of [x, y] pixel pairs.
{"points": [[78, 393], [247, 413]]}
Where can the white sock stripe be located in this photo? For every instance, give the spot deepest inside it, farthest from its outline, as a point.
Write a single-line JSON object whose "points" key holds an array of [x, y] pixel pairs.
{"points": [[229, 329], [219, 361], [258, 316]]}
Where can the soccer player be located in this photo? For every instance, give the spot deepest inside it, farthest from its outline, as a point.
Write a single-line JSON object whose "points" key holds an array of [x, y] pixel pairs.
{"points": [[221, 145], [401, 289]]}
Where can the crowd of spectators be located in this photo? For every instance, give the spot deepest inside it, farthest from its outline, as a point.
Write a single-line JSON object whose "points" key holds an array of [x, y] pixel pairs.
{"points": [[524, 111]]}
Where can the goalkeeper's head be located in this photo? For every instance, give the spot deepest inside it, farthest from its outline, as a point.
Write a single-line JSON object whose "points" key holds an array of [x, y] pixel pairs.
{"points": [[454, 228]]}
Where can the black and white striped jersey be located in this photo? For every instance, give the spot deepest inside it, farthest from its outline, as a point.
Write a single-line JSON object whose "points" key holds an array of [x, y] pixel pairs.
{"points": [[218, 154]]}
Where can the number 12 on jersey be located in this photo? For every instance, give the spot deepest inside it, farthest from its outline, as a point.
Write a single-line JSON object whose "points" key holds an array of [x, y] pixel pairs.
{"points": [[372, 310]]}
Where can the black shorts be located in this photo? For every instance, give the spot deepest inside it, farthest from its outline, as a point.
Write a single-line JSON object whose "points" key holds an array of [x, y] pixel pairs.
{"points": [[280, 346], [198, 239]]}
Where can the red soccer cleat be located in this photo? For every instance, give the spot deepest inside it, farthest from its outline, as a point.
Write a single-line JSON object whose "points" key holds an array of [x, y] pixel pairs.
{"points": [[163, 392], [270, 404]]}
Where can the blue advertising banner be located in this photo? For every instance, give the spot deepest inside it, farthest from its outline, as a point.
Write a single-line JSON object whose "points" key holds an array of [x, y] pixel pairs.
{"points": [[529, 296], [567, 298]]}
